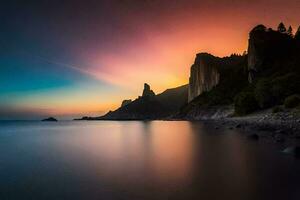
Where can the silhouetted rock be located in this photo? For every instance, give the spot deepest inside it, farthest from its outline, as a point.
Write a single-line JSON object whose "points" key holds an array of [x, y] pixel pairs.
{"points": [[266, 47], [150, 106], [147, 92], [126, 102], [84, 118], [50, 119], [262, 79]]}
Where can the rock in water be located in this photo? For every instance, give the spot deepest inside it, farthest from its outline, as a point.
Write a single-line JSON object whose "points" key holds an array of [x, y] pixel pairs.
{"points": [[147, 92], [50, 119]]}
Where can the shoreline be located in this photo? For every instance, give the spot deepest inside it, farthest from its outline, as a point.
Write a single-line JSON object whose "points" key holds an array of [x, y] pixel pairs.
{"points": [[282, 128], [263, 120]]}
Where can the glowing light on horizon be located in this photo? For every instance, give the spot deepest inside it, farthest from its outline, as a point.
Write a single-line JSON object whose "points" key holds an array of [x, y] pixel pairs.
{"points": [[115, 52]]}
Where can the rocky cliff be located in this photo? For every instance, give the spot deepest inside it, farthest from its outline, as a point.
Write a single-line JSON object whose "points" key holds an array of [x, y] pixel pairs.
{"points": [[126, 102], [268, 49], [268, 76], [149, 105], [204, 75], [226, 77]]}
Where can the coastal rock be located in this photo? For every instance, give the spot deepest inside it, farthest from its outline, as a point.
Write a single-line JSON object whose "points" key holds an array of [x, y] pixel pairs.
{"points": [[147, 92], [204, 75], [150, 106], [126, 102], [50, 119], [255, 58], [266, 48]]}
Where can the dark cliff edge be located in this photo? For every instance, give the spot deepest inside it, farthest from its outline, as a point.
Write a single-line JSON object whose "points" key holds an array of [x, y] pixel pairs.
{"points": [[265, 81], [260, 88], [149, 106], [231, 75]]}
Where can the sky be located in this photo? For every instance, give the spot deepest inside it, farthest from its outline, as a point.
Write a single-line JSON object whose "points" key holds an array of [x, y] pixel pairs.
{"points": [[73, 58]]}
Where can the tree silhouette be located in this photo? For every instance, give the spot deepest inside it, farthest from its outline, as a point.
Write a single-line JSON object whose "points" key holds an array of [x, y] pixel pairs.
{"points": [[281, 28], [290, 31], [297, 34]]}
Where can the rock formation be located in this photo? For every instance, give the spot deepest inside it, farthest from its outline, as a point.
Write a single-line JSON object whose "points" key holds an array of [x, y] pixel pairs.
{"points": [[204, 75], [50, 119], [147, 92], [255, 56], [269, 74], [126, 102], [149, 106], [267, 47]]}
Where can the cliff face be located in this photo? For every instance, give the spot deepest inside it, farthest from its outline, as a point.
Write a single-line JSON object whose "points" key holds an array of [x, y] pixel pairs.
{"points": [[204, 75], [221, 78], [271, 67], [267, 48], [255, 56]]}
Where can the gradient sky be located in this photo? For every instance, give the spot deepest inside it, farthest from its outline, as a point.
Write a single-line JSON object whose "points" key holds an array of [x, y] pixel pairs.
{"points": [[75, 58]]}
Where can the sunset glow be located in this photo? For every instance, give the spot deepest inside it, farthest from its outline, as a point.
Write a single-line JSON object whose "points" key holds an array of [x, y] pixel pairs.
{"points": [[65, 64]]}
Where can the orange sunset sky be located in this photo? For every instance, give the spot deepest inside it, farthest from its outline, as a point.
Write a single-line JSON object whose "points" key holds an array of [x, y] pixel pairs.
{"points": [[84, 58]]}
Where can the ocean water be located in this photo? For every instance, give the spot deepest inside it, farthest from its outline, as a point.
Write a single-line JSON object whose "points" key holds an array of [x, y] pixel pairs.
{"points": [[140, 160]]}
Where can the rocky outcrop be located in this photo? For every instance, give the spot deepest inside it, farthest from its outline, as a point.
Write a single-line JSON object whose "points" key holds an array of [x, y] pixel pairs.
{"points": [[126, 102], [255, 57], [268, 49], [204, 75], [147, 92], [50, 119], [149, 106]]}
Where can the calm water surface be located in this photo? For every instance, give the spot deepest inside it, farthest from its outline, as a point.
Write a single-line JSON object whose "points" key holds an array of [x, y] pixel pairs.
{"points": [[140, 160]]}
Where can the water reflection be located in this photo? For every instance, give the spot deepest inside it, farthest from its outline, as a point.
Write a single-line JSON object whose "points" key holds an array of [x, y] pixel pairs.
{"points": [[157, 152], [139, 160]]}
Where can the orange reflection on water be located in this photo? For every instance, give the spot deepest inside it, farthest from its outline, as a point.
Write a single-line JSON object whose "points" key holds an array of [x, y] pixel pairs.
{"points": [[172, 151], [158, 152]]}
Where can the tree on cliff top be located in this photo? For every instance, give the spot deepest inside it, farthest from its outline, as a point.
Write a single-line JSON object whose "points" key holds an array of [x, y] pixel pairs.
{"points": [[281, 28], [297, 34], [290, 31]]}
